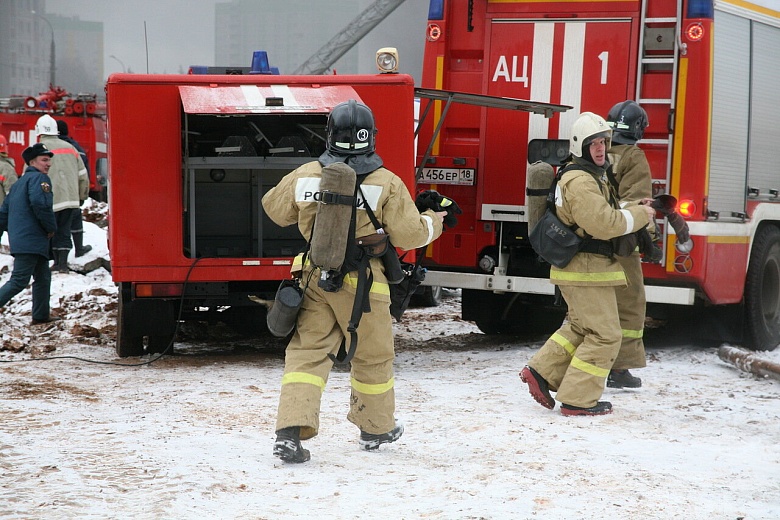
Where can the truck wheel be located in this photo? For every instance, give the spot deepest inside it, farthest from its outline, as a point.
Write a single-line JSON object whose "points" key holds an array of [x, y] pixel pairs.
{"points": [[762, 291], [490, 326], [523, 318], [127, 343], [428, 296], [159, 344]]}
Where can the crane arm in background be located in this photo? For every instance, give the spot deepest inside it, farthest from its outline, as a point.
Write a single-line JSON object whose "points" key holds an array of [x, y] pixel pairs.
{"points": [[329, 53]]}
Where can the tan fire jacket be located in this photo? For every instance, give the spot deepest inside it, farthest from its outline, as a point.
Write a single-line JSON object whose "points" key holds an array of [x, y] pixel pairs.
{"points": [[292, 202], [632, 172], [70, 184], [582, 198], [7, 176]]}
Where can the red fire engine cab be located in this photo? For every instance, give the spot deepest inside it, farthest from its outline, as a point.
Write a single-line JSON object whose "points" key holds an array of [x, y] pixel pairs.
{"points": [[191, 158], [86, 119], [706, 73]]}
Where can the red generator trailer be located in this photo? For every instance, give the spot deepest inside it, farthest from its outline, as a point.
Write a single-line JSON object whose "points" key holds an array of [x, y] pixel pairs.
{"points": [[706, 73], [86, 119], [191, 157]]}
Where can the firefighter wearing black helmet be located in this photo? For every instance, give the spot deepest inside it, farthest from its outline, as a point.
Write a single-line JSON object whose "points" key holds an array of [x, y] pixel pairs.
{"points": [[322, 323], [576, 359], [632, 181]]}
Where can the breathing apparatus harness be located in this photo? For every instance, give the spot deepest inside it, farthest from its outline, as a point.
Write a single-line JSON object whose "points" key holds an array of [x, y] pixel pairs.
{"points": [[359, 252]]}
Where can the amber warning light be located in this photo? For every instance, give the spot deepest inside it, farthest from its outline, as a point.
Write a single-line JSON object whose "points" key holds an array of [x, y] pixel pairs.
{"points": [[686, 208]]}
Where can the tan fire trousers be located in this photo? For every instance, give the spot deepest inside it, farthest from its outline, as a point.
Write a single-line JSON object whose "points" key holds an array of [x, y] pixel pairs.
{"points": [[322, 324], [577, 358], [632, 304]]}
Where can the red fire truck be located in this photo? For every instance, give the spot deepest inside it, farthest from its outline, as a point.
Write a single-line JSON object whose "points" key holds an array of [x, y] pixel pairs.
{"points": [[86, 119], [191, 157], [706, 73]]}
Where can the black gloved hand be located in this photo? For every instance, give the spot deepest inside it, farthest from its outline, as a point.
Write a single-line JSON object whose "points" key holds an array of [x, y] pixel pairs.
{"points": [[664, 204], [680, 227], [432, 199], [647, 247]]}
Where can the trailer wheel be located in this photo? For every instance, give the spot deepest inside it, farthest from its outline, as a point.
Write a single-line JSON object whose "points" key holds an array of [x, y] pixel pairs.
{"points": [[128, 343], [159, 344], [428, 296], [762, 291], [491, 326]]}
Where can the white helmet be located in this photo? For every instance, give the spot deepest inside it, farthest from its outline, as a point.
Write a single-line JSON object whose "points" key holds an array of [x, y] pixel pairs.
{"points": [[46, 125], [586, 128]]}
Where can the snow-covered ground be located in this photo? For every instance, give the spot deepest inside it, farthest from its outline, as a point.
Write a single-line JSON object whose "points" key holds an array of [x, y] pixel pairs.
{"points": [[189, 436]]}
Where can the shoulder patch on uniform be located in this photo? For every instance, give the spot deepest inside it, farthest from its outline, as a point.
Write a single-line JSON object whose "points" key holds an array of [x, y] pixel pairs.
{"points": [[46, 187]]}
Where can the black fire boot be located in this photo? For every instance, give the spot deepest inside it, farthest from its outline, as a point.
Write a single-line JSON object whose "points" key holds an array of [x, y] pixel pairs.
{"points": [[372, 441], [60, 261], [538, 387], [288, 445], [623, 379], [601, 408], [78, 241]]}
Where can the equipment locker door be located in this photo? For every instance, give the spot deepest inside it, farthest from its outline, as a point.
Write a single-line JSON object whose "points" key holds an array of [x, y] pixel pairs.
{"points": [[584, 64]]}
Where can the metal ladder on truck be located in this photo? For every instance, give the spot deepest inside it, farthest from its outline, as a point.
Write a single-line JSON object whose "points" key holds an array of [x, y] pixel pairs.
{"points": [[656, 83], [660, 47]]}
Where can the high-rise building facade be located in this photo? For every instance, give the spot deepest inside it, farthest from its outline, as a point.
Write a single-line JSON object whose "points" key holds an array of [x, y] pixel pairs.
{"points": [[28, 35]]}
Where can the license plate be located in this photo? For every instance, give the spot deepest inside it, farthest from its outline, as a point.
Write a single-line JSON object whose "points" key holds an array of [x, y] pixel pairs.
{"points": [[462, 176]]}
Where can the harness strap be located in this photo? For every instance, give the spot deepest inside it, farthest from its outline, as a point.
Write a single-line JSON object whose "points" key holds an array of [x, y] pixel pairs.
{"points": [[537, 192], [362, 302], [331, 197], [598, 247]]}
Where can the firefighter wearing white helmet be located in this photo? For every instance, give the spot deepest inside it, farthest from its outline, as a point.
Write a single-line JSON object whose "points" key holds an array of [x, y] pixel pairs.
{"points": [[7, 170], [576, 359], [70, 186], [631, 179]]}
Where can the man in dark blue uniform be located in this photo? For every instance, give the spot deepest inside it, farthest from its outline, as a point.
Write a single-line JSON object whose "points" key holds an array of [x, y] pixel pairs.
{"points": [[28, 216]]}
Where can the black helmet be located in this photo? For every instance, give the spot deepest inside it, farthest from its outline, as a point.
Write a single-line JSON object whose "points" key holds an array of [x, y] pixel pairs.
{"points": [[350, 137], [351, 129], [628, 121]]}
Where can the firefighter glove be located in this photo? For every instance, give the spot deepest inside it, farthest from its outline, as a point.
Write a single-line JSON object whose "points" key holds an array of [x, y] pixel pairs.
{"points": [[432, 199], [648, 248], [664, 204], [680, 227]]}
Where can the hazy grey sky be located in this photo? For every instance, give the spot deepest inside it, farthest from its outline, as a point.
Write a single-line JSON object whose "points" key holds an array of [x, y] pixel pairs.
{"points": [[179, 33]]}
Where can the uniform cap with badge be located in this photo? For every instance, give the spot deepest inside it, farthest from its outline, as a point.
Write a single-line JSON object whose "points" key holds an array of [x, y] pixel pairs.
{"points": [[34, 151]]}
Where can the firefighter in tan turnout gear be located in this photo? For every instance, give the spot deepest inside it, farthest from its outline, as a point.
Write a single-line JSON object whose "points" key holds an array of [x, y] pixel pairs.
{"points": [[71, 185], [630, 177], [576, 359], [324, 317], [7, 170]]}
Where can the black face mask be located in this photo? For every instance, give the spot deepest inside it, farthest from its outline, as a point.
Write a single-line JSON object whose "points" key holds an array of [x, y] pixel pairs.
{"points": [[586, 154], [586, 163]]}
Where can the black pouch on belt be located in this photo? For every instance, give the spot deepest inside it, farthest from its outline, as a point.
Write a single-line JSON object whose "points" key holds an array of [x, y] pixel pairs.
{"points": [[374, 245]]}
